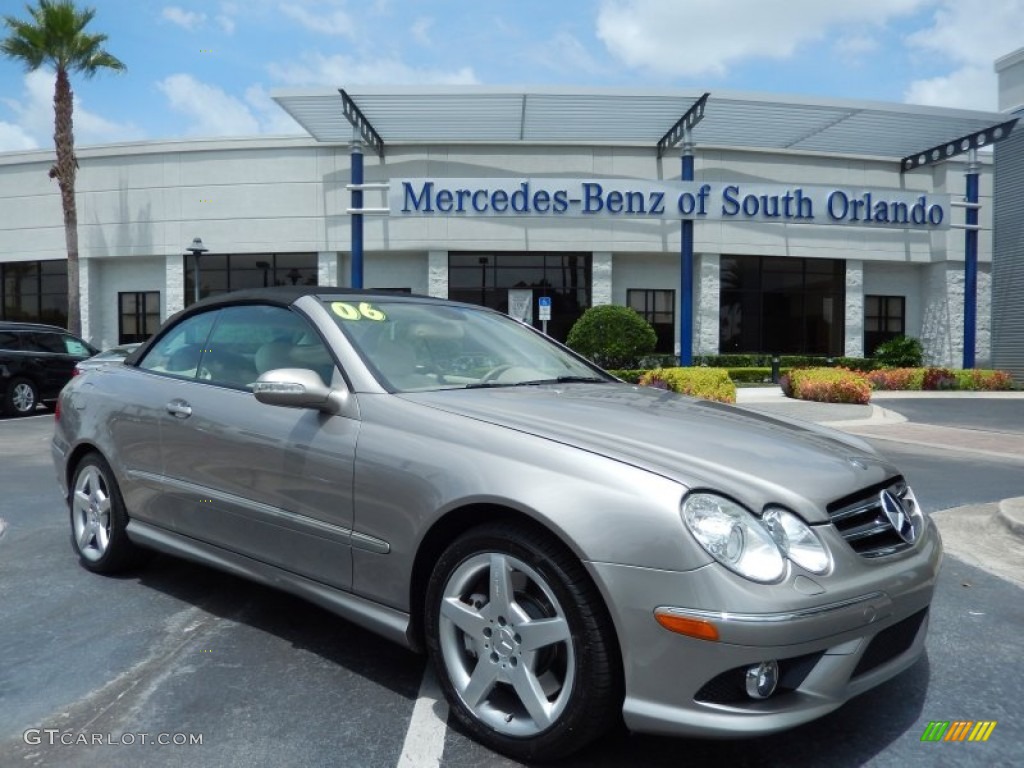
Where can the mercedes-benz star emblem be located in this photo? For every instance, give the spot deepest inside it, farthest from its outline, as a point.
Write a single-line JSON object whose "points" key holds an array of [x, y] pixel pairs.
{"points": [[898, 517]]}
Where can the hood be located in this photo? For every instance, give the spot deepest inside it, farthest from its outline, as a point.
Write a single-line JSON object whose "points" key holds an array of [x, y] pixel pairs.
{"points": [[755, 458]]}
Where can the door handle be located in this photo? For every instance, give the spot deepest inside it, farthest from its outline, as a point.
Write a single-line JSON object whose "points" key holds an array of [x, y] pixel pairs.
{"points": [[179, 408]]}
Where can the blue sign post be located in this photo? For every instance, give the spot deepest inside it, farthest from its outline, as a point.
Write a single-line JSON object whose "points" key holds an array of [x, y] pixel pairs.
{"points": [[544, 312]]}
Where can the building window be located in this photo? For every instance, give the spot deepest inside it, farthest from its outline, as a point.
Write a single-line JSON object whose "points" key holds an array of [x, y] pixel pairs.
{"points": [[657, 307], [35, 291], [782, 305], [486, 278], [885, 317], [138, 316], [222, 273]]}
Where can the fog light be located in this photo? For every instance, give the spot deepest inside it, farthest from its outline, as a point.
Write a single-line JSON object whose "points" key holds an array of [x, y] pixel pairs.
{"points": [[762, 679]]}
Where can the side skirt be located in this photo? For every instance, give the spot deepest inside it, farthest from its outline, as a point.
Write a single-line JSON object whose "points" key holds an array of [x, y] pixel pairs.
{"points": [[388, 622]]}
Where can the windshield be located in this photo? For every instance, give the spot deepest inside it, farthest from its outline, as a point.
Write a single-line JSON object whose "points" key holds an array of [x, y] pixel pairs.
{"points": [[416, 347]]}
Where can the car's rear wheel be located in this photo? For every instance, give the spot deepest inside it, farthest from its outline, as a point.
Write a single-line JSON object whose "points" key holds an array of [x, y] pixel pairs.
{"points": [[522, 643], [98, 519], [21, 397]]}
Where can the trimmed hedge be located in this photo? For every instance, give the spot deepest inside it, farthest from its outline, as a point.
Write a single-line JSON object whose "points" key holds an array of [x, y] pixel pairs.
{"points": [[939, 378], [750, 375], [706, 383], [827, 385], [785, 361]]}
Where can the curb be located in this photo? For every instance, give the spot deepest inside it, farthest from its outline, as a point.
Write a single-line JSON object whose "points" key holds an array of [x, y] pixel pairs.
{"points": [[1011, 515], [879, 417]]}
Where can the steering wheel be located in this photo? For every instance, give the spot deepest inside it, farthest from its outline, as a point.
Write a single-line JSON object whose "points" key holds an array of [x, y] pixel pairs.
{"points": [[495, 372]]}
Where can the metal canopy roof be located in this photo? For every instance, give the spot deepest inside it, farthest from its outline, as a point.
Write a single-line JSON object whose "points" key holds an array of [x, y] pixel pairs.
{"points": [[490, 115]]}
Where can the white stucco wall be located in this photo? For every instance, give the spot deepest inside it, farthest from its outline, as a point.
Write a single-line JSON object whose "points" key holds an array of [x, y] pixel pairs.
{"points": [[141, 204]]}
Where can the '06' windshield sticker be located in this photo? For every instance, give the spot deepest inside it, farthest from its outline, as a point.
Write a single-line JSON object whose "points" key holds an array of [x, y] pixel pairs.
{"points": [[365, 311]]}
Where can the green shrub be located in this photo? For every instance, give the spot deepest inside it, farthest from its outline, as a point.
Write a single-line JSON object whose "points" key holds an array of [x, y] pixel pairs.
{"points": [[657, 361], [612, 336], [901, 352], [982, 380], [939, 378], [632, 375], [785, 361], [896, 378], [706, 383], [827, 385], [749, 375]]}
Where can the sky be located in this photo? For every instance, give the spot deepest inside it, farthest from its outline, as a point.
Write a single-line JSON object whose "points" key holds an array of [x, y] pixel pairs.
{"points": [[207, 68]]}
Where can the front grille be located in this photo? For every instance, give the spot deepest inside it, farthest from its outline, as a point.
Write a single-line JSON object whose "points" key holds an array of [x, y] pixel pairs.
{"points": [[860, 519], [730, 687], [890, 643]]}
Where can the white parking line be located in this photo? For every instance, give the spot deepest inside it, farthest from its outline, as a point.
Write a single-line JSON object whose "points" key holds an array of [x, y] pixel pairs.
{"points": [[424, 741]]}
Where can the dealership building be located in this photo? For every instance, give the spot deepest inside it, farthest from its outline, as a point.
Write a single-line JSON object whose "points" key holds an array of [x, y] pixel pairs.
{"points": [[803, 226]]}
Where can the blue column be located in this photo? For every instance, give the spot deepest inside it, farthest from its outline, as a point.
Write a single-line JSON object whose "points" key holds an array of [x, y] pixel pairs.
{"points": [[357, 218], [686, 267], [971, 260]]}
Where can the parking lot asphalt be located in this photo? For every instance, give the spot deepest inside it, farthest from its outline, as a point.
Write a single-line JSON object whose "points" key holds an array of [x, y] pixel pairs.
{"points": [[270, 680]]}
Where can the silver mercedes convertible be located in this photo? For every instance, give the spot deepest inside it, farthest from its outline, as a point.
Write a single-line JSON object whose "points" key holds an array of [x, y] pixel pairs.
{"points": [[570, 551]]}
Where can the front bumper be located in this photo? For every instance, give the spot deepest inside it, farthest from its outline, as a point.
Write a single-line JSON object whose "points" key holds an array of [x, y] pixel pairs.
{"points": [[857, 632]]}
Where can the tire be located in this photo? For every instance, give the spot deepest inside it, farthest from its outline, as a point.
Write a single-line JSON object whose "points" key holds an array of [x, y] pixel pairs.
{"points": [[98, 519], [21, 398], [529, 662]]}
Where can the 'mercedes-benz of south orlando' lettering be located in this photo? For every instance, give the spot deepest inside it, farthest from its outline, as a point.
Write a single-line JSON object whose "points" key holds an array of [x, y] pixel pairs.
{"points": [[803, 204]]}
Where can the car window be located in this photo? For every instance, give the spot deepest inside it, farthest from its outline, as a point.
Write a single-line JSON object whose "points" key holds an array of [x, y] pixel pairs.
{"points": [[253, 339], [42, 341], [10, 340], [177, 352], [234, 345], [73, 346]]}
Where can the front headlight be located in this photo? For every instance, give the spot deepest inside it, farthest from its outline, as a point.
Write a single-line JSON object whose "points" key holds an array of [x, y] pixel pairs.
{"points": [[733, 536], [796, 540]]}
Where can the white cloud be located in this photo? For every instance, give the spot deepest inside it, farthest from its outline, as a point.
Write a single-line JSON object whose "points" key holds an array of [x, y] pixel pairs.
{"points": [[210, 110], [566, 56], [968, 87], [34, 116], [271, 117], [706, 37], [226, 18], [855, 46], [338, 70], [189, 20], [332, 23], [970, 41], [421, 30], [13, 138]]}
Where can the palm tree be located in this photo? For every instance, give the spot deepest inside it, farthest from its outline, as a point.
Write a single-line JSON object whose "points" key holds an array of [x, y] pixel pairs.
{"points": [[56, 38]]}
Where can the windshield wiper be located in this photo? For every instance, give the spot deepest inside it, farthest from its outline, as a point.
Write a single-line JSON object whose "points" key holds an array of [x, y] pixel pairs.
{"points": [[538, 382], [584, 379]]}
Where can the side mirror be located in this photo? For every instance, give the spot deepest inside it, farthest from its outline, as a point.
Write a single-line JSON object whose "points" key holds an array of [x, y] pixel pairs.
{"points": [[299, 388]]}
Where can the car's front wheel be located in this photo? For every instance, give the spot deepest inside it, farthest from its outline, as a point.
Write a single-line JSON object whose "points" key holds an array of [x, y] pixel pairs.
{"points": [[21, 398], [98, 519], [522, 643]]}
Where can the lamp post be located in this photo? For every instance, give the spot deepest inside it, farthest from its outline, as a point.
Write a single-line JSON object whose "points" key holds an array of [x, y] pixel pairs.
{"points": [[265, 266], [482, 261], [197, 249]]}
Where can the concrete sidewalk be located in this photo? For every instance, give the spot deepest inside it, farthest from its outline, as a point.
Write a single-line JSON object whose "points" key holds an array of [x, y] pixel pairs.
{"points": [[771, 400]]}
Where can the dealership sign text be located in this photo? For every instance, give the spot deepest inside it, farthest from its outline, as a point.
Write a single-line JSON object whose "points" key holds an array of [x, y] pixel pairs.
{"points": [[611, 198]]}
